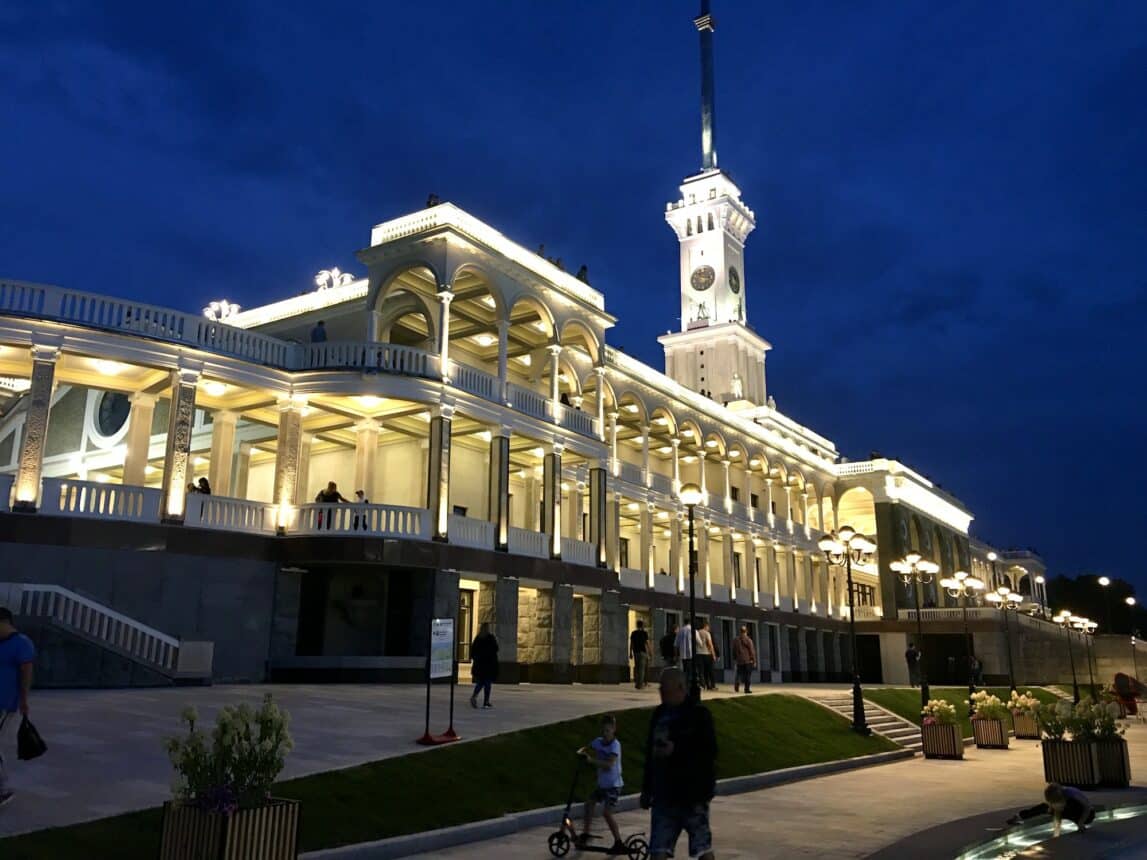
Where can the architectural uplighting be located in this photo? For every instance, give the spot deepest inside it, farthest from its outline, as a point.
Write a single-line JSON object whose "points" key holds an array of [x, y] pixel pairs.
{"points": [[664, 449], [368, 401], [538, 452], [485, 340], [109, 368], [215, 388]]}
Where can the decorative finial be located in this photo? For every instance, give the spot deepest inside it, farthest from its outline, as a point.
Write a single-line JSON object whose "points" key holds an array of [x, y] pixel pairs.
{"points": [[221, 311], [328, 278], [705, 26]]}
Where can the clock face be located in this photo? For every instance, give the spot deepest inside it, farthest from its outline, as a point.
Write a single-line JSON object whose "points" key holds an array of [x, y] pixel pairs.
{"points": [[114, 407], [702, 278], [734, 279]]}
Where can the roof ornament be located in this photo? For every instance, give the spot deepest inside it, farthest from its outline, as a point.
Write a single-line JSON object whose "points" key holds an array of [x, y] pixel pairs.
{"points": [[221, 311], [328, 278]]}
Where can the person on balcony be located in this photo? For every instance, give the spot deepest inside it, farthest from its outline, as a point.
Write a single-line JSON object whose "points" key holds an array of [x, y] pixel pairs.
{"points": [[319, 332], [359, 499], [16, 655], [204, 487], [329, 496]]}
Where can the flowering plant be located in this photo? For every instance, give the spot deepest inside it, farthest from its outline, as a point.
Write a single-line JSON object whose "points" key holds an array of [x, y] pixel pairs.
{"points": [[1023, 703], [986, 706], [233, 767], [1087, 721], [939, 712], [1052, 719]]}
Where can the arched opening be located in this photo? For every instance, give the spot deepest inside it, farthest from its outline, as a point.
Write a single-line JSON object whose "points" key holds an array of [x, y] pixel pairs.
{"points": [[530, 333], [857, 508], [408, 309], [475, 312]]}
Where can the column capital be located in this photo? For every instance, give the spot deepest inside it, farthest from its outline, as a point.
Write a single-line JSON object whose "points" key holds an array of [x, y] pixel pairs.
{"points": [[445, 294], [222, 416], [554, 348], [675, 442], [45, 352], [291, 403], [726, 463], [598, 371], [143, 398], [558, 446], [366, 425], [503, 326]]}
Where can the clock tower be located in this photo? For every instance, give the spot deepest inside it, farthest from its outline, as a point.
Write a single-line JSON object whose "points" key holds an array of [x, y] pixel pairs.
{"points": [[715, 352]]}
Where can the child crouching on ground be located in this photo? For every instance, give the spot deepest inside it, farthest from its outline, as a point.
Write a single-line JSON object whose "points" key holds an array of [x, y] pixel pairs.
{"points": [[1060, 802], [604, 753]]}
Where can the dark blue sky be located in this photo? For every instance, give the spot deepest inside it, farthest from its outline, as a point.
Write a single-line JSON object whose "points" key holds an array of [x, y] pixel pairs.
{"points": [[951, 201]]}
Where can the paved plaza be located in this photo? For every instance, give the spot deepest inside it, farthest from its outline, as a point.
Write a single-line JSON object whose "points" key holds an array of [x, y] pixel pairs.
{"points": [[858, 813], [105, 754]]}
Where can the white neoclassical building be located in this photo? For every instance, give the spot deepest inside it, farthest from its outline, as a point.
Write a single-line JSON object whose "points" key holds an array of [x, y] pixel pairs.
{"points": [[514, 467]]}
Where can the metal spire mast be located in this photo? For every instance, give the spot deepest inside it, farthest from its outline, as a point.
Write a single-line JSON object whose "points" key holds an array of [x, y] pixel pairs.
{"points": [[705, 24]]}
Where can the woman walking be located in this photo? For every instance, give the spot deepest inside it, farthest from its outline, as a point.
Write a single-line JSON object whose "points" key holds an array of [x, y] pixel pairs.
{"points": [[484, 657]]}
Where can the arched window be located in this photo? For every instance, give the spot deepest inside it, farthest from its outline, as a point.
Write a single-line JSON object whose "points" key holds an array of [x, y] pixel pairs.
{"points": [[700, 228], [710, 220], [689, 228]]}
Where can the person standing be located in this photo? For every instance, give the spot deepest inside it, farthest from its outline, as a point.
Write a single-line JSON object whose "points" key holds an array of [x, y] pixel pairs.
{"points": [[681, 771], [912, 658], [707, 654], [484, 657], [640, 650], [668, 645], [745, 656], [16, 655], [685, 641], [319, 332]]}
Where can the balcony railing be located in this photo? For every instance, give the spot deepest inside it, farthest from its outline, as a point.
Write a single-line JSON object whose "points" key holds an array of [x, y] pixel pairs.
{"points": [[526, 542], [94, 500], [467, 531], [576, 420], [975, 613], [629, 472], [374, 520], [529, 402], [863, 613], [228, 514], [382, 357], [475, 381], [661, 483], [631, 578], [579, 552]]}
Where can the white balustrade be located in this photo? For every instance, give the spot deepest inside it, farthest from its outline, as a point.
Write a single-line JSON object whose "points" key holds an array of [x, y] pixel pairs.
{"points": [[666, 584], [474, 381], [528, 542], [90, 499], [384, 357], [529, 402], [467, 531], [631, 578], [661, 483], [363, 520], [578, 552], [864, 613], [6, 482], [630, 472], [975, 613], [576, 420], [98, 622], [718, 592], [740, 510], [228, 514]]}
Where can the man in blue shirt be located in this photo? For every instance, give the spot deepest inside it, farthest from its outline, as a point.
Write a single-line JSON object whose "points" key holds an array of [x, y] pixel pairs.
{"points": [[16, 656]]}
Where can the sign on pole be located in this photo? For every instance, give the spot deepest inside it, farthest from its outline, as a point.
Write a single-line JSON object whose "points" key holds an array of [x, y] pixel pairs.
{"points": [[442, 648]]}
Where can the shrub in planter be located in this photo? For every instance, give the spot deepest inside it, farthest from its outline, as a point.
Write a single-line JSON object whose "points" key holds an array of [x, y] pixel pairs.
{"points": [[1083, 745], [223, 809], [1024, 707], [988, 713], [940, 733]]}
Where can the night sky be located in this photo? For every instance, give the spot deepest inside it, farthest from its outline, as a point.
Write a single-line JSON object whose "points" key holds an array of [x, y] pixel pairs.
{"points": [[951, 203]]}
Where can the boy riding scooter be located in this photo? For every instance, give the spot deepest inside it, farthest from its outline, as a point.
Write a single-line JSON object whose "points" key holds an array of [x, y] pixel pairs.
{"points": [[604, 753]]}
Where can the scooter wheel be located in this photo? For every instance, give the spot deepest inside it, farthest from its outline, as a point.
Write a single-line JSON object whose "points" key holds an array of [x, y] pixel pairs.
{"points": [[559, 843], [638, 848]]}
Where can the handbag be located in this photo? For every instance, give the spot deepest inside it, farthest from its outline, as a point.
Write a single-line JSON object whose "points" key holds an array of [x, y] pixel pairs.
{"points": [[29, 744]]}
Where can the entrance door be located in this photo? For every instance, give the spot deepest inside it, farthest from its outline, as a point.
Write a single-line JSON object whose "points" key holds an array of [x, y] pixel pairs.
{"points": [[462, 635]]}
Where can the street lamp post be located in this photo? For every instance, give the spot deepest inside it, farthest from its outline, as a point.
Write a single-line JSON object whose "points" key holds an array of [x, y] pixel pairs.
{"points": [[1130, 601], [915, 570], [843, 547], [1004, 599], [962, 585], [1064, 620], [1134, 658], [1086, 626], [1039, 581], [1106, 583], [691, 496]]}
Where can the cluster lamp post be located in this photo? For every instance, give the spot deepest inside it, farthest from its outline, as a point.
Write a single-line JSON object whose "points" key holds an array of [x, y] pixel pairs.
{"points": [[1064, 620], [965, 586], [691, 496], [1087, 628], [915, 570], [1039, 581], [1106, 583], [1004, 599], [847, 546]]}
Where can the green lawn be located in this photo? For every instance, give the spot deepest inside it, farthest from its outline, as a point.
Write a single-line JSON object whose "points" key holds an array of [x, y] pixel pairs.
{"points": [[906, 703], [486, 778]]}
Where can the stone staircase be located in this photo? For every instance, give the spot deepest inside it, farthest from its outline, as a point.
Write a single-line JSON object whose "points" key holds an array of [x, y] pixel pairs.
{"points": [[882, 722]]}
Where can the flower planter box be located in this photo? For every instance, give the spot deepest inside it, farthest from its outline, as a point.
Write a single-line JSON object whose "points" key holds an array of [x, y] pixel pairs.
{"points": [[942, 741], [990, 734], [268, 832], [1025, 726], [1087, 764]]}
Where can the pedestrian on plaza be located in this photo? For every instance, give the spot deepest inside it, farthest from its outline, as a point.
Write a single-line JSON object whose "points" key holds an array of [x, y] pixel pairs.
{"points": [[319, 332], [1060, 802], [745, 656], [16, 655], [668, 645], [204, 487], [685, 641], [680, 771], [912, 657], [707, 654], [977, 671], [604, 753], [640, 650], [484, 659]]}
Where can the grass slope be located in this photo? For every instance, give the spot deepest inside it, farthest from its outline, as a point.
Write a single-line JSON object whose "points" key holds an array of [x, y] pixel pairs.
{"points": [[486, 778], [906, 703]]}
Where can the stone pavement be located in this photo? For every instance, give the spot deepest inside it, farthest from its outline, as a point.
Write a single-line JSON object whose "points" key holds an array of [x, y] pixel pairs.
{"points": [[105, 754], [856, 814]]}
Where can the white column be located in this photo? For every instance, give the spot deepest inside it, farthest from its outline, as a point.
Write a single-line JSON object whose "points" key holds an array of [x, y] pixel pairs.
{"points": [[647, 543], [503, 354], [614, 465], [365, 453], [222, 451], [677, 550], [555, 351], [701, 457], [445, 296], [289, 444], [647, 475], [31, 462], [599, 372], [727, 561], [243, 471], [438, 470], [613, 531], [725, 464], [676, 443], [702, 539], [552, 499], [303, 482], [177, 458], [770, 517], [138, 439], [751, 568]]}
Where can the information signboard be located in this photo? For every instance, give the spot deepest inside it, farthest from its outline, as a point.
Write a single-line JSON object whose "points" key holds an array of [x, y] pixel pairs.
{"points": [[442, 648]]}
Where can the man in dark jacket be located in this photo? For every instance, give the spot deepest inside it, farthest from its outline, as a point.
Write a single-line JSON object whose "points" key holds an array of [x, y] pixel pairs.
{"points": [[484, 656], [680, 771], [668, 645]]}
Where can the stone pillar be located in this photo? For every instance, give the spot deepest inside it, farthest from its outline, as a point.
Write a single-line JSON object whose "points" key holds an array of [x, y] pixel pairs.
{"points": [[243, 471], [222, 451], [646, 527], [614, 636], [802, 654], [785, 659], [597, 515], [139, 424], [177, 457], [751, 568], [31, 463], [499, 489], [438, 472], [701, 537], [503, 355], [728, 503], [613, 531], [445, 296], [365, 455], [527, 621], [446, 595], [591, 642], [614, 465], [552, 500], [677, 550], [599, 372], [676, 443], [285, 612], [290, 441], [646, 472], [303, 481], [561, 631], [498, 607]]}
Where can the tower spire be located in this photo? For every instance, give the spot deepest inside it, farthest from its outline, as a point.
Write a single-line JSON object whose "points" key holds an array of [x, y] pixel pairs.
{"points": [[705, 25]]}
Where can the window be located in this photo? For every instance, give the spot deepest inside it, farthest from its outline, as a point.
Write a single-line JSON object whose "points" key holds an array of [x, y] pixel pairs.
{"points": [[623, 551], [735, 493], [699, 227], [865, 595], [689, 227], [737, 569], [711, 221], [460, 510], [754, 500], [773, 508]]}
